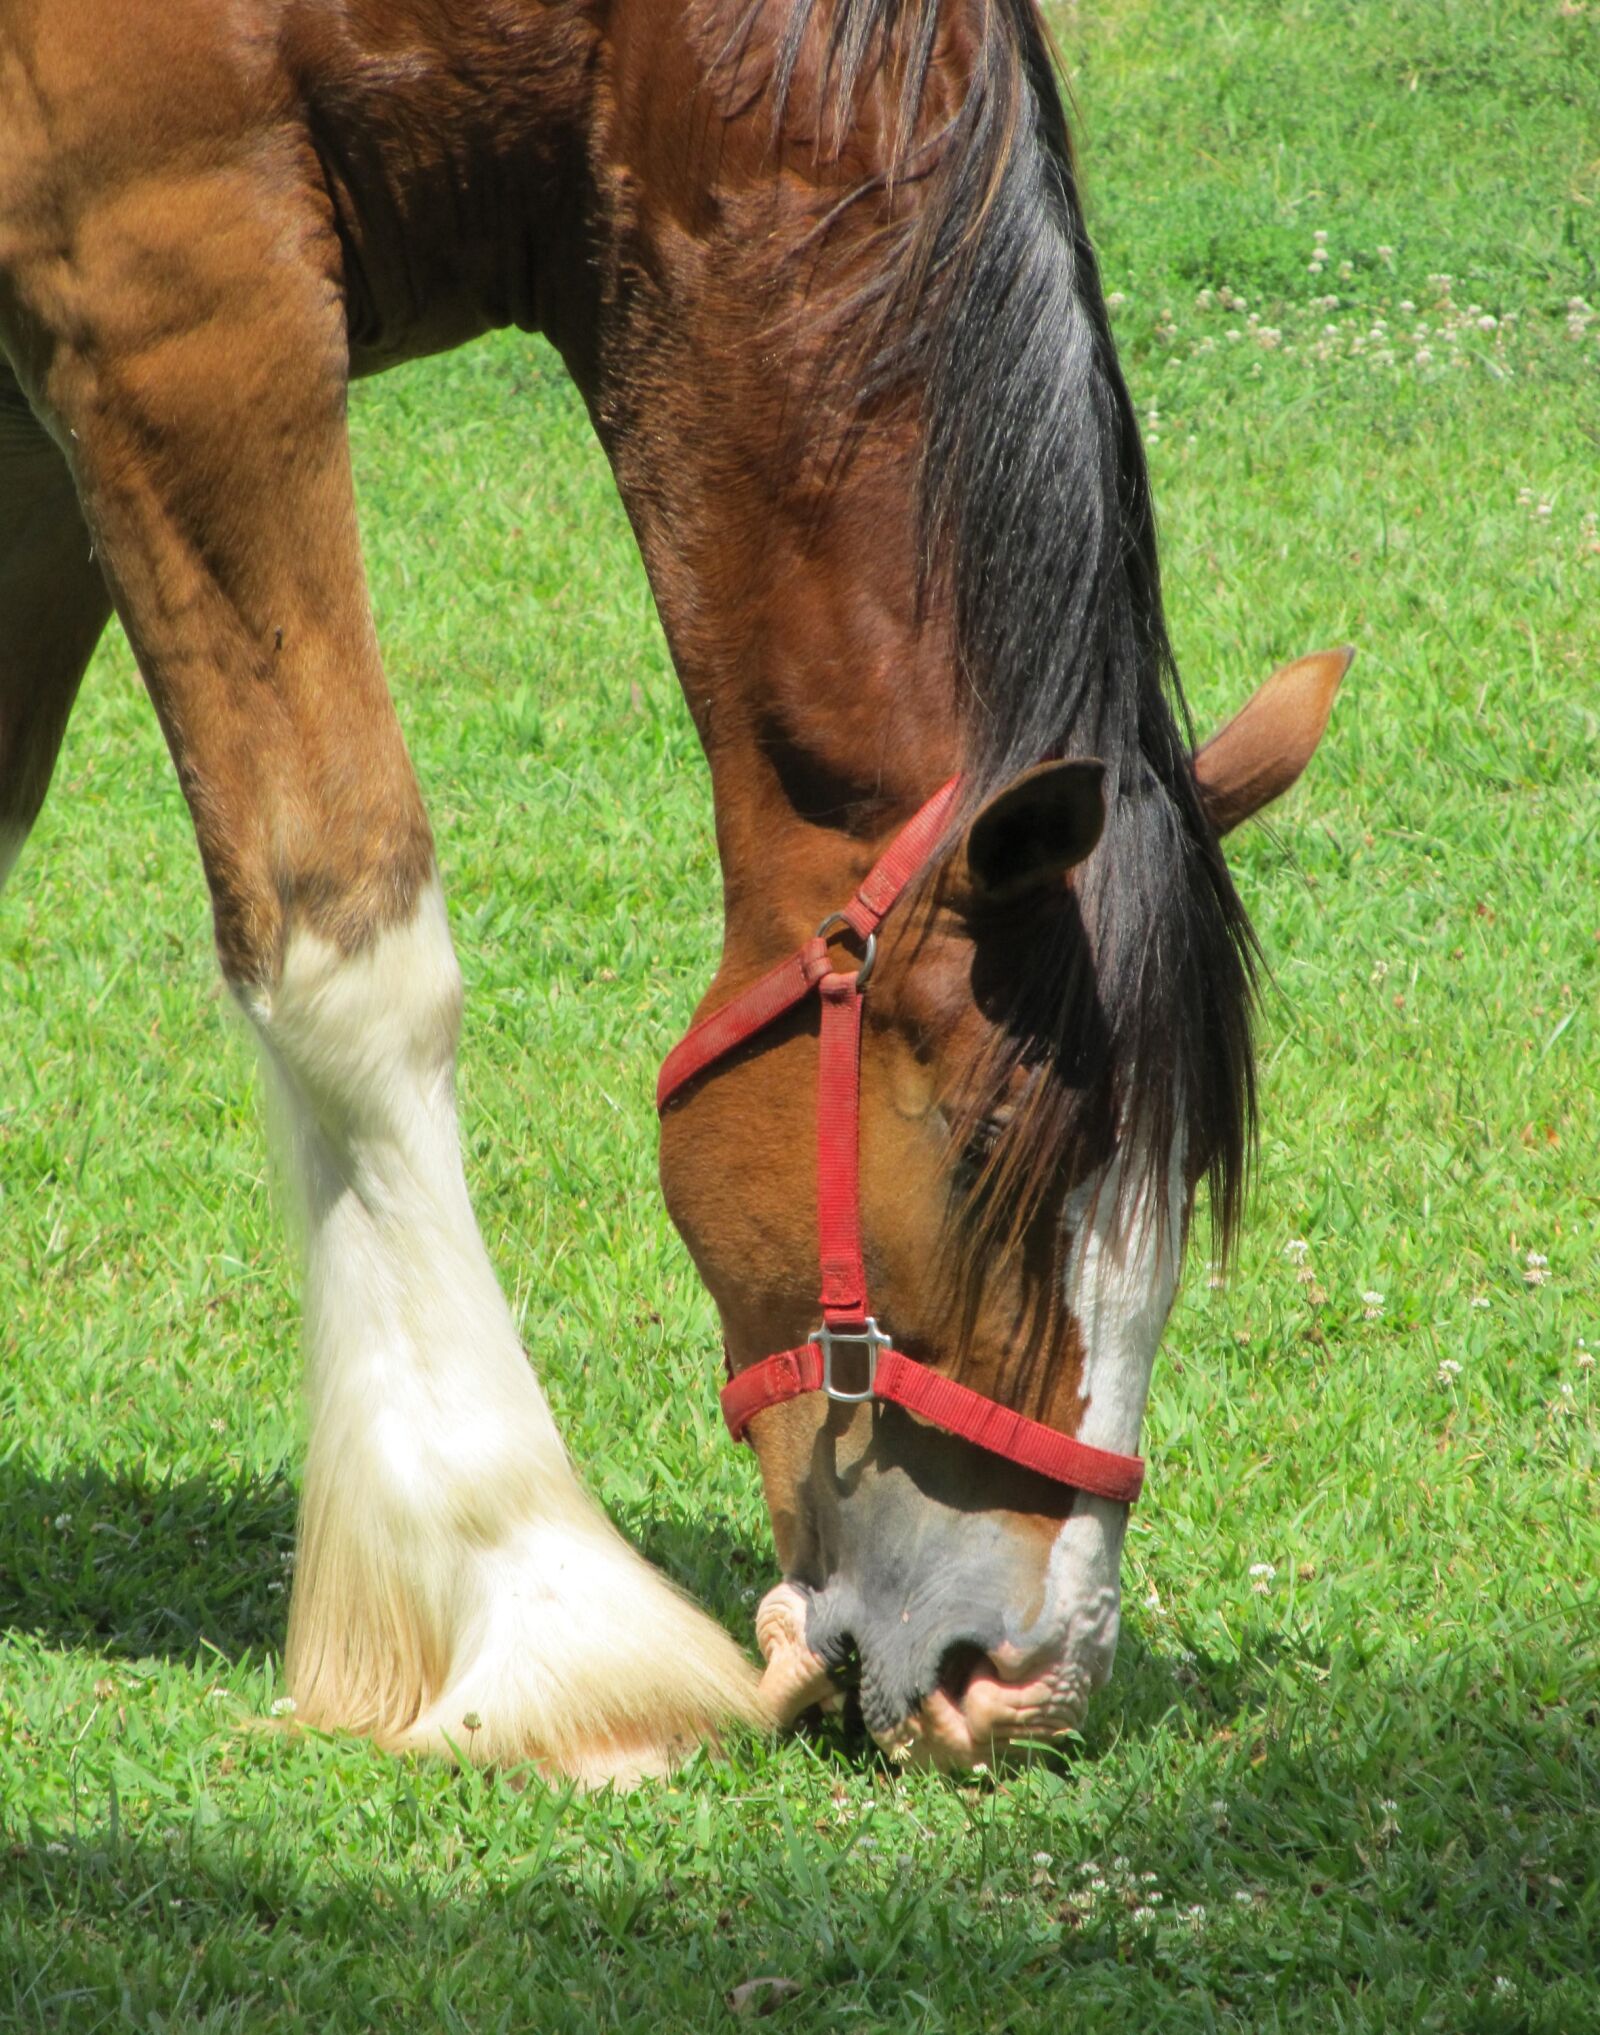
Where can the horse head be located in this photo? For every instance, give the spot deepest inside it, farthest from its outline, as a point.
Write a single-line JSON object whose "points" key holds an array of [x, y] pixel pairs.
{"points": [[1022, 1215]]}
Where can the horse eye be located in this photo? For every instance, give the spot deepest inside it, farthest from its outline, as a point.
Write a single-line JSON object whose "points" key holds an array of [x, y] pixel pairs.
{"points": [[983, 1137]]}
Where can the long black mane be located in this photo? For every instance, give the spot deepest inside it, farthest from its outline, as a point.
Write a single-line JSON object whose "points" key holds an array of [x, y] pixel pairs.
{"points": [[1036, 510]]}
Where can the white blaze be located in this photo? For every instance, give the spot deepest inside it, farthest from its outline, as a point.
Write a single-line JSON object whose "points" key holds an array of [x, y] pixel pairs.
{"points": [[451, 1568], [1121, 1275]]}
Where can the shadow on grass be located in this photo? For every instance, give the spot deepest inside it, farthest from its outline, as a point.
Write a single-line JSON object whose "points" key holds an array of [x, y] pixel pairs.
{"points": [[119, 1563]]}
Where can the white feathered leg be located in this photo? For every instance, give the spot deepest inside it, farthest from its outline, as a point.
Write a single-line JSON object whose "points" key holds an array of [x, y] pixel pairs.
{"points": [[455, 1585]]}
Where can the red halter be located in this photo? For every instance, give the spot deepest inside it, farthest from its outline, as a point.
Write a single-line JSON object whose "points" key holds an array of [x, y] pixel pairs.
{"points": [[881, 1371]]}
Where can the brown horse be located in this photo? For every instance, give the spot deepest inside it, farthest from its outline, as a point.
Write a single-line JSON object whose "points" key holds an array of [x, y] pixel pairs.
{"points": [[820, 271]]}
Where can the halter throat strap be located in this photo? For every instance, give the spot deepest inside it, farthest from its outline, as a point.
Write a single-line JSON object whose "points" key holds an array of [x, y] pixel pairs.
{"points": [[849, 1357]]}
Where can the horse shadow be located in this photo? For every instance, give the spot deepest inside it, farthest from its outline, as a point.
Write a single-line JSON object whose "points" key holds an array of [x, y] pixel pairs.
{"points": [[111, 1560]]}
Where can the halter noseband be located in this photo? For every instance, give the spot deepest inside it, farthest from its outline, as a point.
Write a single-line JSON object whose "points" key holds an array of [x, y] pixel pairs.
{"points": [[878, 1371]]}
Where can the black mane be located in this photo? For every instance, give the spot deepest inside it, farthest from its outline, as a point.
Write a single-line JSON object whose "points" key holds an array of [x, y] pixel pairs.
{"points": [[1036, 512]]}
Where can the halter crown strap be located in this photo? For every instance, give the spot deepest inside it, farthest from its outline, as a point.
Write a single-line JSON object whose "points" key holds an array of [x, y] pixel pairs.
{"points": [[793, 980], [879, 1371]]}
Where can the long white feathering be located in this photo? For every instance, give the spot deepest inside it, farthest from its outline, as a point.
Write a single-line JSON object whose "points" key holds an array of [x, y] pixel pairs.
{"points": [[456, 1588]]}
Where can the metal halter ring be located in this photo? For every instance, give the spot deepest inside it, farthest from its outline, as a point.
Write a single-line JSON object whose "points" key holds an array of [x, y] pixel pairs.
{"points": [[869, 1339], [869, 953]]}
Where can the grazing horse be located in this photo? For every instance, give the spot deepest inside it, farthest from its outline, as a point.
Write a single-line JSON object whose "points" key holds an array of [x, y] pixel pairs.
{"points": [[820, 271]]}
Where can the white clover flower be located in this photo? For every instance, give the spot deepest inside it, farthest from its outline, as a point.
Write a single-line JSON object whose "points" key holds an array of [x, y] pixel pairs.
{"points": [[284, 1707], [1295, 1250], [1488, 322], [1424, 357], [1480, 1300], [1043, 1858], [1116, 300], [1144, 1916], [1244, 1898], [1449, 1371]]}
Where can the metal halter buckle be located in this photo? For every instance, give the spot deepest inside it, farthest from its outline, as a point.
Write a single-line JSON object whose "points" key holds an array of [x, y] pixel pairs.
{"points": [[870, 1338], [869, 952]]}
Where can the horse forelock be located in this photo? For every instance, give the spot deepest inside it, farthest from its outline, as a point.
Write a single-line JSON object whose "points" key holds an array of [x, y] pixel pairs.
{"points": [[975, 294]]}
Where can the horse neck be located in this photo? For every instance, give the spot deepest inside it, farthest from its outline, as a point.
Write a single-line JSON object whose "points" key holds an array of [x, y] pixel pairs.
{"points": [[817, 658]]}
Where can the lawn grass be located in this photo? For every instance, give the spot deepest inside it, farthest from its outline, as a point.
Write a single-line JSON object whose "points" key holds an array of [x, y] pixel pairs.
{"points": [[1348, 1774]]}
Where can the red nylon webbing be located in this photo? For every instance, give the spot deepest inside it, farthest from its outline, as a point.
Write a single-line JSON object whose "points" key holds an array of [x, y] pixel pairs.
{"points": [[901, 860], [954, 1407], [844, 1277], [780, 989], [786, 1376]]}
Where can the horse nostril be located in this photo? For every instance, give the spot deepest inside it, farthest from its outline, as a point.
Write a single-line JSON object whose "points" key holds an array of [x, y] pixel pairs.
{"points": [[959, 1664]]}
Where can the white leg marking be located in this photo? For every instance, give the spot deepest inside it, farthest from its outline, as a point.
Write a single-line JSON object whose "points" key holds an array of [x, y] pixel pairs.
{"points": [[454, 1580], [1121, 1275]]}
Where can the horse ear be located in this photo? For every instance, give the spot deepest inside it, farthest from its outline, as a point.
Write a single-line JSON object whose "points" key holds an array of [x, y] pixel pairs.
{"points": [[1267, 744], [1030, 834]]}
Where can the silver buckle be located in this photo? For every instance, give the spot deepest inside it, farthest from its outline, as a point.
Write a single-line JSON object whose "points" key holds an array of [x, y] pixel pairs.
{"points": [[871, 1339]]}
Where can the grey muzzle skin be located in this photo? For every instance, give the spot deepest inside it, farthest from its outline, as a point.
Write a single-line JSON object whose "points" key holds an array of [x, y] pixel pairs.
{"points": [[913, 1562]]}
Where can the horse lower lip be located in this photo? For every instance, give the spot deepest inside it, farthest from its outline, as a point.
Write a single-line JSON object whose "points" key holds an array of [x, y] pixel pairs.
{"points": [[951, 1730]]}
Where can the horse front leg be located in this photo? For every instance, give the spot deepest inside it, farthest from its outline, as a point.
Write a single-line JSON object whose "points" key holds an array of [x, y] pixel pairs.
{"points": [[455, 1585]]}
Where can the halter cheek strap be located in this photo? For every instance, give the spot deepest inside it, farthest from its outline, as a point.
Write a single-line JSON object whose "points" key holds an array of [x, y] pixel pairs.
{"points": [[849, 1357]]}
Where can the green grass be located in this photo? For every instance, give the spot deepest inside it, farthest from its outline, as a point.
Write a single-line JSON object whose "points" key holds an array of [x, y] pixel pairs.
{"points": [[1366, 1786]]}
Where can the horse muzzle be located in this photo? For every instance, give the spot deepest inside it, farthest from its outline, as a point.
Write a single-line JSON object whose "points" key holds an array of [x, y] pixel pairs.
{"points": [[941, 1681]]}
